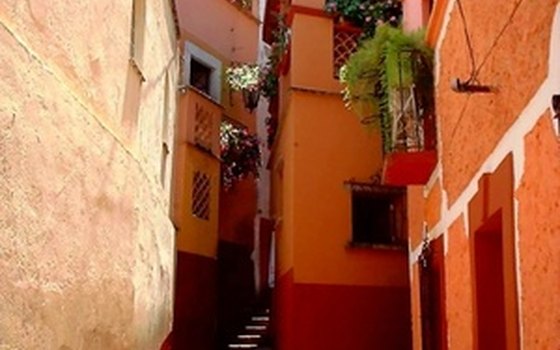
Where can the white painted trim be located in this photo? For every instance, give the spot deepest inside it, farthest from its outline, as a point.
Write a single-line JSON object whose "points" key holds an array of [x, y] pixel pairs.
{"points": [[192, 50], [434, 177]]}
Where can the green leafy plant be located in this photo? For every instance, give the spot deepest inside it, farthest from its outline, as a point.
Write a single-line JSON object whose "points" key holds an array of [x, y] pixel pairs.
{"points": [[366, 14], [278, 51], [240, 153], [383, 69]]}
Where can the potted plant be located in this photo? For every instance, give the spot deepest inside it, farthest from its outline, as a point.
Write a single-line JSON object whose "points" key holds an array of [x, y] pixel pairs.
{"points": [[245, 77], [383, 76]]}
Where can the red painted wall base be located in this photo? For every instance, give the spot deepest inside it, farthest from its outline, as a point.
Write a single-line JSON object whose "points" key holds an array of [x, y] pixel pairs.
{"points": [[194, 325], [337, 317]]}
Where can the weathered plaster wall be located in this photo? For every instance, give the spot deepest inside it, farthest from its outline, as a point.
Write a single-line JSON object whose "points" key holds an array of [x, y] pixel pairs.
{"points": [[86, 255]]}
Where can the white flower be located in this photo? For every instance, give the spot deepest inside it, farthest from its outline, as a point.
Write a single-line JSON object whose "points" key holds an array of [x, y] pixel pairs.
{"points": [[243, 76]]}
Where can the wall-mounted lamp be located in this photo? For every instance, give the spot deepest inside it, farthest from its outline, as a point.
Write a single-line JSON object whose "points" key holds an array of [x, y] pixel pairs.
{"points": [[556, 109], [468, 87]]}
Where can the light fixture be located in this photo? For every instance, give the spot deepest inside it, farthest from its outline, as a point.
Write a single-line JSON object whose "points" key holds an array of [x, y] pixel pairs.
{"points": [[556, 108], [468, 87]]}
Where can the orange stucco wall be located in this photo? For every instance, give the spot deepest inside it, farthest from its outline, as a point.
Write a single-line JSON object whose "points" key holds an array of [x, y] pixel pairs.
{"points": [[461, 115], [432, 207], [458, 291], [539, 235], [238, 209], [322, 145], [229, 34], [312, 38], [492, 151], [195, 235], [320, 205], [415, 217]]}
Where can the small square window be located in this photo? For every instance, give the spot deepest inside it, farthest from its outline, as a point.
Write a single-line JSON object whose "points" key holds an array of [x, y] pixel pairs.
{"points": [[378, 215], [200, 76], [202, 71]]}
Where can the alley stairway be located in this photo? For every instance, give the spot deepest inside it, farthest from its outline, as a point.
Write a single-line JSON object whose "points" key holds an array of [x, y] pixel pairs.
{"points": [[254, 333]]}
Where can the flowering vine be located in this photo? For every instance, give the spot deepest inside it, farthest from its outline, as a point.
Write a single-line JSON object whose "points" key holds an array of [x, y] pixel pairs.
{"points": [[366, 14], [240, 153]]}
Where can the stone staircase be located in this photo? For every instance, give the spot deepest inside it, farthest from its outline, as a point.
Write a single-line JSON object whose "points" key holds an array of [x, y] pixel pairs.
{"points": [[254, 333]]}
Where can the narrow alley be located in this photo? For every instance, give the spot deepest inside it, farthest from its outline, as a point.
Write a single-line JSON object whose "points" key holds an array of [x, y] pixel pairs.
{"points": [[279, 174]]}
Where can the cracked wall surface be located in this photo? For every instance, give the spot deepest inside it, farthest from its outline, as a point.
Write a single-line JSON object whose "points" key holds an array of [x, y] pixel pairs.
{"points": [[86, 247]]}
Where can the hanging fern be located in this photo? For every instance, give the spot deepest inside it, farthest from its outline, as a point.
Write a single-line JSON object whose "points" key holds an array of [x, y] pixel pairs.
{"points": [[389, 61]]}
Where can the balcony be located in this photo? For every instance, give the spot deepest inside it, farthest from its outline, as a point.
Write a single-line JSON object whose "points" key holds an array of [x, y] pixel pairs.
{"points": [[410, 154], [200, 123]]}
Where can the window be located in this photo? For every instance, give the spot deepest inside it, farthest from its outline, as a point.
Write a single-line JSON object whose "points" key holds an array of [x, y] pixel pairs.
{"points": [[200, 76], [201, 195], [378, 215], [203, 71]]}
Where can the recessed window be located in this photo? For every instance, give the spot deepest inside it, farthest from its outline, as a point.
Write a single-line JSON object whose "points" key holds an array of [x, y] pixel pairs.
{"points": [[378, 215], [200, 76]]}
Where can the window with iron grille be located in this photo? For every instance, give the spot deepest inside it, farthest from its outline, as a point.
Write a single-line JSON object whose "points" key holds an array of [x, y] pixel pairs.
{"points": [[201, 195], [345, 43], [378, 215]]}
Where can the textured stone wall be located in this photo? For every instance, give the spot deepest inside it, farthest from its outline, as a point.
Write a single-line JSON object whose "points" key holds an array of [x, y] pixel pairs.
{"points": [[86, 247]]}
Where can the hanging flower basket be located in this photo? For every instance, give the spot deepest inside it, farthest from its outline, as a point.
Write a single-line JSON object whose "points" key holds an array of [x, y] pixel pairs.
{"points": [[245, 77], [250, 98]]}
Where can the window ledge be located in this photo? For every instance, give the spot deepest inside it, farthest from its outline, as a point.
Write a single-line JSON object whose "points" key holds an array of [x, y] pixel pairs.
{"points": [[376, 246], [187, 87]]}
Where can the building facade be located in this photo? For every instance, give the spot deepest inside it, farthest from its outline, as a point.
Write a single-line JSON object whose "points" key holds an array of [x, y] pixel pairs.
{"points": [[215, 228], [485, 269], [338, 285], [87, 118]]}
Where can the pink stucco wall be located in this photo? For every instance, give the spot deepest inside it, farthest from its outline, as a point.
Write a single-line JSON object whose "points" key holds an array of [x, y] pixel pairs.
{"points": [[87, 249]]}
